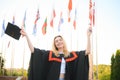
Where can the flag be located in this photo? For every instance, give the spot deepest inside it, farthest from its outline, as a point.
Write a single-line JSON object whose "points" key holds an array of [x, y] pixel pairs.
{"points": [[24, 19], [37, 16], [69, 9], [91, 13], [60, 21], [3, 28], [52, 17], [35, 22], [44, 27], [74, 22]]}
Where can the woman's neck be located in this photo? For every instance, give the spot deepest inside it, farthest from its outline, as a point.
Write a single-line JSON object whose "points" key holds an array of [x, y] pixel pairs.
{"points": [[60, 50]]}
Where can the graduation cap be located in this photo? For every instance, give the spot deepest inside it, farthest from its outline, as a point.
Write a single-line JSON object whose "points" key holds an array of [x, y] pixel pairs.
{"points": [[13, 31]]}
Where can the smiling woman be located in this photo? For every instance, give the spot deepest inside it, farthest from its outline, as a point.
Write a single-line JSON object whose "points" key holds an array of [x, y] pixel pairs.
{"points": [[70, 66]]}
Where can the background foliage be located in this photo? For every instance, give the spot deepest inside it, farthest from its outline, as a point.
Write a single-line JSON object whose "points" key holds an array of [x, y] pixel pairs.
{"points": [[103, 72], [115, 66]]}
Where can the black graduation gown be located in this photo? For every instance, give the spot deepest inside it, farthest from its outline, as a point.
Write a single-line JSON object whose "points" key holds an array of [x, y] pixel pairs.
{"points": [[44, 65]]}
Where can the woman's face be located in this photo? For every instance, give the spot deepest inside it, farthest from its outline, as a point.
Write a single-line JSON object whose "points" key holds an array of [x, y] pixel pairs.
{"points": [[58, 42]]}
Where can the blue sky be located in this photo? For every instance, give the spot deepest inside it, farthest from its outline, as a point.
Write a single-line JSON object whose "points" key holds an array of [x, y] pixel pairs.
{"points": [[107, 27]]}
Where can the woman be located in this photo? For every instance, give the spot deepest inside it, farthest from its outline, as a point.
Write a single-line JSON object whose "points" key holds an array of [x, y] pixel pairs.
{"points": [[58, 63]]}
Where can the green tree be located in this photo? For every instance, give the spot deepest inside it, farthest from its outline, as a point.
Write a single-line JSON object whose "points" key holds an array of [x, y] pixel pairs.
{"points": [[112, 67], [1, 64], [115, 66]]}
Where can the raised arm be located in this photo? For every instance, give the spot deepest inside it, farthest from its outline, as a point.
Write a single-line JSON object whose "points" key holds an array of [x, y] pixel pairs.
{"points": [[88, 49], [23, 33]]}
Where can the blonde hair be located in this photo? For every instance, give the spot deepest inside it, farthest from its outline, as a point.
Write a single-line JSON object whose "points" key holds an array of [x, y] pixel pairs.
{"points": [[55, 50]]}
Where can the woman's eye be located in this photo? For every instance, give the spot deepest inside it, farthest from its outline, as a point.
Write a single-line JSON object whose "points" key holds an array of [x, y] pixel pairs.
{"points": [[56, 41], [60, 39]]}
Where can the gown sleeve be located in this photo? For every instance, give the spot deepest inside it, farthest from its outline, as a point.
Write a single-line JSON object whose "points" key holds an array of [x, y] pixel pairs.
{"points": [[35, 67], [82, 66]]}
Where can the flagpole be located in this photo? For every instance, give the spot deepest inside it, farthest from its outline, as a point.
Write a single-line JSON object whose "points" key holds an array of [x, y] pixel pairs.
{"points": [[0, 61], [4, 57], [23, 59], [96, 40], [71, 38], [12, 58], [12, 53], [4, 53], [96, 57], [23, 26], [1, 58], [1, 53], [69, 21], [77, 31]]}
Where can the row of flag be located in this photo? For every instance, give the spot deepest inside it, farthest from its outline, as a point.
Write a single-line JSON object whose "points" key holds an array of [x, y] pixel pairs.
{"points": [[44, 27]]}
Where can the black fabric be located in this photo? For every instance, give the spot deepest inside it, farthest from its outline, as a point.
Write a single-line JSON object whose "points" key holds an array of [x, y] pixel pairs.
{"points": [[43, 69], [13, 31], [61, 55], [81, 67]]}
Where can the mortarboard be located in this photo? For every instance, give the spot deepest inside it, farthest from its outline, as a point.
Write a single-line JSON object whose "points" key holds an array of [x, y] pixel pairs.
{"points": [[13, 31]]}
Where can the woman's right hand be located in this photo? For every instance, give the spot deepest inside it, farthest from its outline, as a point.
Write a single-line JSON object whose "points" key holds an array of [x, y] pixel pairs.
{"points": [[23, 33]]}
